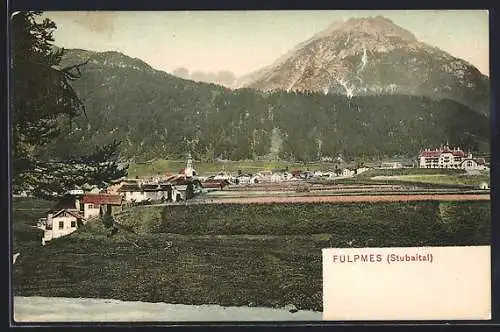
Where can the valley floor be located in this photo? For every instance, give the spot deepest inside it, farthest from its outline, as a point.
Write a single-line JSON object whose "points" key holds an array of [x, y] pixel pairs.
{"points": [[54, 309]]}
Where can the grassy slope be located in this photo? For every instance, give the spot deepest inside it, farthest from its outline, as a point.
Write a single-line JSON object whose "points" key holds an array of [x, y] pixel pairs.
{"points": [[279, 264], [25, 214]]}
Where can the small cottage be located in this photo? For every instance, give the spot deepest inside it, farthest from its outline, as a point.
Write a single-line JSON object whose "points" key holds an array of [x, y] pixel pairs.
{"points": [[346, 172], [243, 179], [151, 192], [96, 205], [391, 165], [60, 223]]}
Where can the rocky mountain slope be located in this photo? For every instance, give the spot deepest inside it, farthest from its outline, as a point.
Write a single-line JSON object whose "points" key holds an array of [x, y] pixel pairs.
{"points": [[373, 56]]}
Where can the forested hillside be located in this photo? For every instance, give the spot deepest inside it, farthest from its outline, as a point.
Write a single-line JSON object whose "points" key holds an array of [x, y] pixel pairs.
{"points": [[157, 115]]}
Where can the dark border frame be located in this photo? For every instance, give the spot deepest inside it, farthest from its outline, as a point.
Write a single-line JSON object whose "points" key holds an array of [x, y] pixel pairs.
{"points": [[16, 5]]}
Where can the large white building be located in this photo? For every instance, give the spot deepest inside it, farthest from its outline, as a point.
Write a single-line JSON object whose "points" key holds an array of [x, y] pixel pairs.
{"points": [[445, 157]]}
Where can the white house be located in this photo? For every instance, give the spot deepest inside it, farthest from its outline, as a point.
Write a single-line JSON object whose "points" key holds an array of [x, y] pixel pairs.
{"points": [[317, 174], [362, 170], [391, 165], [224, 176], [243, 179], [140, 192], [346, 172], [95, 205], [60, 223]]}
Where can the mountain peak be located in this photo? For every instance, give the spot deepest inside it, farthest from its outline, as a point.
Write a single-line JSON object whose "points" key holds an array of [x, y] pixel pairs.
{"points": [[373, 56], [376, 26]]}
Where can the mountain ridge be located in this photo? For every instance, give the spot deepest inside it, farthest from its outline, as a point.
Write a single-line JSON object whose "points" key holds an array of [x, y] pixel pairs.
{"points": [[363, 56]]}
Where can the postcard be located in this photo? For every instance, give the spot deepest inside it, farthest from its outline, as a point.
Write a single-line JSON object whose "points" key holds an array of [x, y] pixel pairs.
{"points": [[176, 166]]}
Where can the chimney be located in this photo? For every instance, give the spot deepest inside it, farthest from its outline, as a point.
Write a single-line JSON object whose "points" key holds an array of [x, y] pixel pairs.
{"points": [[49, 217]]}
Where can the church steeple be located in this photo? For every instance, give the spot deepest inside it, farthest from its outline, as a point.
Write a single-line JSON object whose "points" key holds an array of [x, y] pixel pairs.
{"points": [[189, 163], [189, 170]]}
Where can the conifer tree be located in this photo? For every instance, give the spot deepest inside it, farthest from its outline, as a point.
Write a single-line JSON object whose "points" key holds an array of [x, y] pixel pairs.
{"points": [[42, 102]]}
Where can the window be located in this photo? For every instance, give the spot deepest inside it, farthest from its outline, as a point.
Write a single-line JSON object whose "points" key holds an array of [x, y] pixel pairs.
{"points": [[73, 224], [91, 206], [61, 224], [469, 163]]}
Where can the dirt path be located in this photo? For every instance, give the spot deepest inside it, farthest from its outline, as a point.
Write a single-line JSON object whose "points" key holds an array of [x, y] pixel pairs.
{"points": [[360, 198]]}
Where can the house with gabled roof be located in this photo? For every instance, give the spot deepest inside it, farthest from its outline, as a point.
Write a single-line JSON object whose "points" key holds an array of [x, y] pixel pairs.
{"points": [[96, 205], [152, 192], [61, 220]]}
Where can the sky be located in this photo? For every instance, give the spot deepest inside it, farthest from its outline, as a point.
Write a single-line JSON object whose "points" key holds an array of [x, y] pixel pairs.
{"points": [[244, 41]]}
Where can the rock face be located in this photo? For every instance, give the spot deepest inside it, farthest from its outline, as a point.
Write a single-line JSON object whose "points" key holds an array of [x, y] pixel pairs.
{"points": [[373, 56]]}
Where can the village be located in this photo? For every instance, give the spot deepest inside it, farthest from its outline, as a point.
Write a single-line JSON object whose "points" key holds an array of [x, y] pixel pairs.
{"points": [[80, 206], [160, 175]]}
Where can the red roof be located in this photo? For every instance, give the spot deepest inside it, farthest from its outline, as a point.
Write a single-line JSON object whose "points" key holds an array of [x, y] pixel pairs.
{"points": [[430, 154], [102, 199], [437, 153]]}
